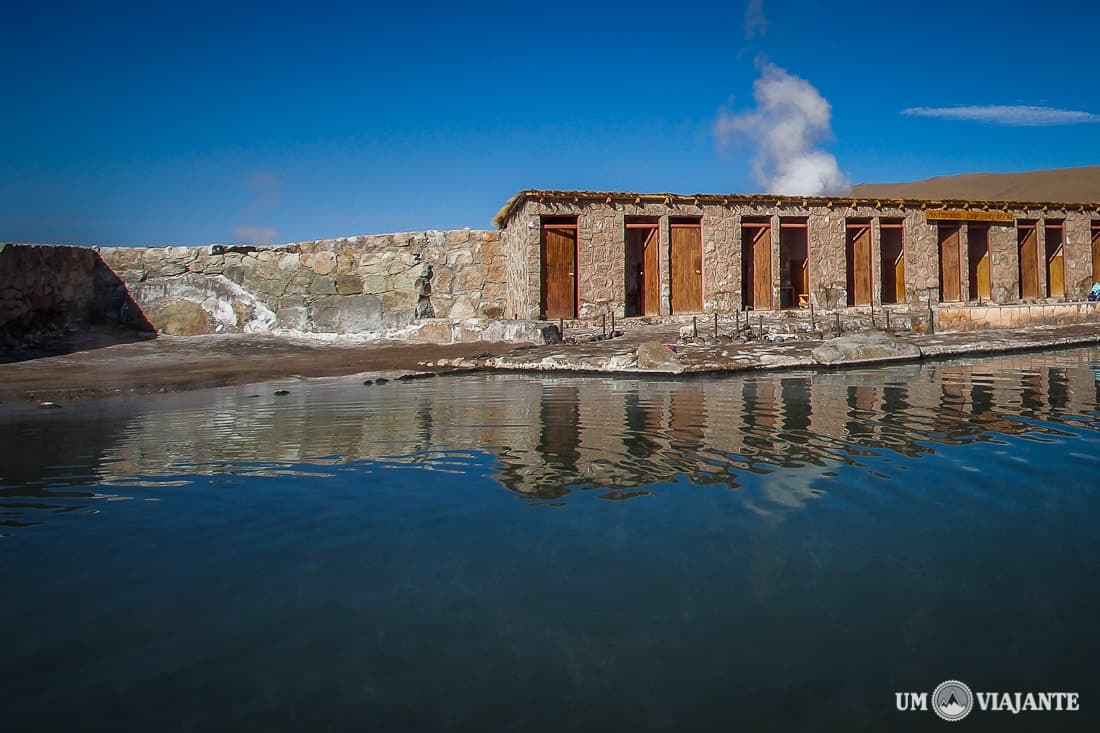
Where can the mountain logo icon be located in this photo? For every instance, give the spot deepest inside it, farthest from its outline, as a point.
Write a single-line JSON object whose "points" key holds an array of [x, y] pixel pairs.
{"points": [[952, 700]]}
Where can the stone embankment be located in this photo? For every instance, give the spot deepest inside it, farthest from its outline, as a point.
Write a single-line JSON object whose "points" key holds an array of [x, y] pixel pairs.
{"points": [[422, 287], [382, 285]]}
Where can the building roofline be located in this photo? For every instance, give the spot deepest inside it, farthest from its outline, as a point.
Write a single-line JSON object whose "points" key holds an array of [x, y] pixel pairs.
{"points": [[577, 197]]}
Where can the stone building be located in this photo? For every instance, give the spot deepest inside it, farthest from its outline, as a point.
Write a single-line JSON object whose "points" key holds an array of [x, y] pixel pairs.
{"points": [[580, 254]]}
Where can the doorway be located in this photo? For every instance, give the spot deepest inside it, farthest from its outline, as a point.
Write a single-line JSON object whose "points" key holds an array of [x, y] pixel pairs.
{"points": [[794, 259], [892, 261], [950, 275], [643, 287], [1096, 252], [857, 251], [1027, 243], [686, 264], [756, 263], [978, 262], [1055, 259], [559, 267]]}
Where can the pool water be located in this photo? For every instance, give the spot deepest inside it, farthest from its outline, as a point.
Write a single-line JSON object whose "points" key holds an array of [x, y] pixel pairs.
{"points": [[505, 552]]}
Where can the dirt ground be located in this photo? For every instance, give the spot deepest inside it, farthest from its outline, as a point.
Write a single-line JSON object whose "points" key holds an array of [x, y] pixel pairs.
{"points": [[97, 365], [172, 364]]}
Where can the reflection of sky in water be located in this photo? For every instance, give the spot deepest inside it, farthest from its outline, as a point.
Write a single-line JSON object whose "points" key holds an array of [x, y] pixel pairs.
{"points": [[776, 551]]}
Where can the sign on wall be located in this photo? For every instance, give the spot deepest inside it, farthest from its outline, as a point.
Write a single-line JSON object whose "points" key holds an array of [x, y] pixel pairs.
{"points": [[961, 215]]}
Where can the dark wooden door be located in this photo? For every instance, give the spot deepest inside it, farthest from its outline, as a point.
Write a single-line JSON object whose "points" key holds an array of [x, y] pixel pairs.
{"points": [[977, 242], [950, 275], [1096, 255], [762, 269], [1056, 266], [643, 295], [800, 283], [860, 264], [651, 281], [794, 273], [1029, 262], [893, 266], [687, 268], [559, 272]]}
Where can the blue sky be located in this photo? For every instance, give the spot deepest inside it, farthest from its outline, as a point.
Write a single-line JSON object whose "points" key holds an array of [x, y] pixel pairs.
{"points": [[190, 123]]}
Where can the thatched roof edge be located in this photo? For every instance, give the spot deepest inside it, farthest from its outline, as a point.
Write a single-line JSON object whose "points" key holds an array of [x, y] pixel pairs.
{"points": [[577, 197]]}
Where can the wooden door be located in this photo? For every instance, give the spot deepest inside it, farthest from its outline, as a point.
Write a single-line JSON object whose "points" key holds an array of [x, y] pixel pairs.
{"points": [[643, 295], [859, 264], [893, 265], [559, 271], [762, 269], [978, 262], [950, 275], [642, 282], [1028, 240], [794, 280], [687, 268], [1096, 254], [651, 281], [800, 283], [1056, 267]]}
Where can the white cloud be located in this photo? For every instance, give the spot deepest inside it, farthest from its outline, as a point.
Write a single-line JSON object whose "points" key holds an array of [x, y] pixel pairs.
{"points": [[1016, 115], [790, 121], [255, 235], [755, 22]]}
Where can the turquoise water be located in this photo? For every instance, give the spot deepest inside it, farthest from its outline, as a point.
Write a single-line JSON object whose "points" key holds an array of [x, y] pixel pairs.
{"points": [[769, 552]]}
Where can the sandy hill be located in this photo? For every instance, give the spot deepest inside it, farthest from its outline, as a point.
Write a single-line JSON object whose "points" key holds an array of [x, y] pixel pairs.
{"points": [[1074, 185]]}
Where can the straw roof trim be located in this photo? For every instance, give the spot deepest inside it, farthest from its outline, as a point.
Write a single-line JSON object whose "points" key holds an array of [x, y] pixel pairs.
{"points": [[578, 197]]}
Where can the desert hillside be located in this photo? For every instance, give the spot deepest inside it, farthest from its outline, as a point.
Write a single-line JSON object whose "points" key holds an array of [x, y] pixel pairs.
{"points": [[1061, 185]]}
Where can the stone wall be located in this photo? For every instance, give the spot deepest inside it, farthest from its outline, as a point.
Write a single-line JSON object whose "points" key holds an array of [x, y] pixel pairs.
{"points": [[47, 291], [601, 263], [980, 318], [379, 285], [519, 244]]}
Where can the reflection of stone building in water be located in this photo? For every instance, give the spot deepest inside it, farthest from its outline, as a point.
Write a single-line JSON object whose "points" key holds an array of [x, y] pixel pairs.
{"points": [[581, 254], [552, 437]]}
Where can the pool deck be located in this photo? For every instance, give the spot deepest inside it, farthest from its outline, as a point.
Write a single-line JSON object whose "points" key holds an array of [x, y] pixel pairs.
{"points": [[174, 364], [618, 355]]}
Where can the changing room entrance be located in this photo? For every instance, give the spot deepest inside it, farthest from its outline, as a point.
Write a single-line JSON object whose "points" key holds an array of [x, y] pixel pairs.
{"points": [[686, 264], [756, 263], [950, 275], [857, 252], [1055, 259], [643, 285], [892, 246], [977, 244], [1027, 242], [794, 258], [559, 267]]}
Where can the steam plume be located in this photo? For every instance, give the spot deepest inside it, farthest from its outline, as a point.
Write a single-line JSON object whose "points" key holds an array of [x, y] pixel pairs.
{"points": [[755, 21], [786, 129]]}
